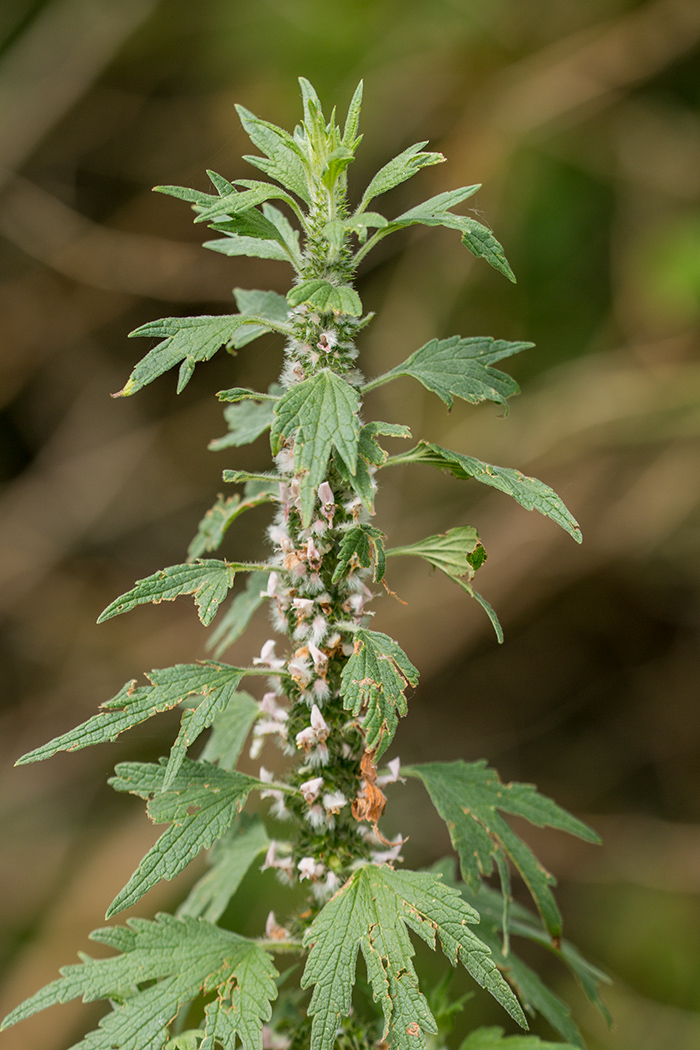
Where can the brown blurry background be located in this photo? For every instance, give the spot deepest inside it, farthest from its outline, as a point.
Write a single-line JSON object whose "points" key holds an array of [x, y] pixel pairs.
{"points": [[583, 122]]}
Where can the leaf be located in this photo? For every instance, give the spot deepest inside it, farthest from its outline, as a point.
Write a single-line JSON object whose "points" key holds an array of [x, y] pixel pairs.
{"points": [[215, 523], [373, 911], [352, 121], [282, 160], [185, 341], [482, 243], [237, 617], [326, 297], [375, 678], [230, 730], [287, 235], [457, 552], [493, 1039], [234, 245], [269, 307], [528, 492], [237, 201], [402, 167], [248, 419], [133, 705], [468, 797], [361, 547], [201, 803], [457, 367], [231, 858], [208, 579], [319, 414], [184, 957]]}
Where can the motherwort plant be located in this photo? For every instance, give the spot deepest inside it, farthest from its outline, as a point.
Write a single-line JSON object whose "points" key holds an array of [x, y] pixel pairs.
{"points": [[330, 689]]}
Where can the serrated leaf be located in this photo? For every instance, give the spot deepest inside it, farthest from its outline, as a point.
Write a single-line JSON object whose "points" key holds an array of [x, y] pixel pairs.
{"points": [[361, 547], [374, 911], [374, 680], [247, 419], [457, 552], [494, 1039], [215, 523], [352, 121], [230, 730], [402, 167], [272, 309], [201, 803], [185, 341], [457, 367], [237, 617], [208, 579], [468, 796], [184, 957], [282, 160], [319, 414], [230, 860], [370, 453], [326, 297], [482, 243], [235, 245], [184, 193], [132, 705], [252, 194], [288, 236], [528, 492]]}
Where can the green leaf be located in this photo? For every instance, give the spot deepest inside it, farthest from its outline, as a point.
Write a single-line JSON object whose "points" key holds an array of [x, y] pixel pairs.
{"points": [[457, 367], [326, 297], [361, 547], [282, 160], [234, 245], [374, 911], [374, 680], [201, 803], [271, 309], [184, 193], [132, 705], [239, 614], [468, 797], [237, 201], [184, 957], [493, 1039], [248, 419], [230, 730], [336, 231], [231, 858], [215, 523], [370, 453], [528, 492], [319, 414], [287, 235], [457, 552], [207, 579], [482, 243], [352, 121], [402, 167], [185, 341]]}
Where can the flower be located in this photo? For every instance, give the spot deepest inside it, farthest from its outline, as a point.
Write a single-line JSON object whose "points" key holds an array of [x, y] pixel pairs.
{"points": [[310, 789]]}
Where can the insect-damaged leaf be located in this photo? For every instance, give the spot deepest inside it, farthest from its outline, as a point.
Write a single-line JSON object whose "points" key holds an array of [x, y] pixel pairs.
{"points": [[457, 552], [320, 414], [468, 796], [361, 547], [163, 966], [207, 579], [374, 680], [201, 803], [373, 911]]}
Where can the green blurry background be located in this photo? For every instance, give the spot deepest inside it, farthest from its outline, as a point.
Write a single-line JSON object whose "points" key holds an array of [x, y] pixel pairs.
{"points": [[583, 122]]}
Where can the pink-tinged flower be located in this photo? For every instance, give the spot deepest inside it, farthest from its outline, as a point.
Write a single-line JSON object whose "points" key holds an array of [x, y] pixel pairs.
{"points": [[327, 340], [267, 656], [393, 775], [310, 789], [303, 605], [269, 705], [271, 589], [321, 689], [325, 495], [319, 629], [307, 868], [318, 724], [319, 658], [282, 864], [313, 554], [306, 739], [300, 669]]}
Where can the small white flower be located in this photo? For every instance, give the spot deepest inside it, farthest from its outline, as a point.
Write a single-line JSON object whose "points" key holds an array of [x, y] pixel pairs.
{"points": [[317, 817], [267, 656], [318, 724], [319, 658], [307, 868], [306, 738], [300, 670], [393, 775], [325, 495], [388, 855], [303, 605], [333, 801], [310, 789]]}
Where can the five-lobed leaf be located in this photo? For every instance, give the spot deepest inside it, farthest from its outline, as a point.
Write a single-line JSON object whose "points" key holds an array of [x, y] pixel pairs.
{"points": [[200, 806], [468, 796], [373, 911], [373, 685], [163, 966], [319, 415]]}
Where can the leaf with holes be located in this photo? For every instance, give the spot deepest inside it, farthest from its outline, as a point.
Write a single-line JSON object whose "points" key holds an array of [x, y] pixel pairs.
{"points": [[374, 680]]}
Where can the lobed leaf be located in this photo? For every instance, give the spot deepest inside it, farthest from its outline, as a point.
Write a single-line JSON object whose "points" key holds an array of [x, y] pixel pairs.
{"points": [[215, 523], [283, 161], [237, 617], [402, 167], [229, 731], [269, 308], [164, 965], [208, 579], [319, 415], [457, 552], [528, 492], [361, 547], [230, 860], [374, 680], [374, 911], [234, 244], [200, 806], [369, 453], [457, 367], [468, 796], [237, 201], [326, 297]]}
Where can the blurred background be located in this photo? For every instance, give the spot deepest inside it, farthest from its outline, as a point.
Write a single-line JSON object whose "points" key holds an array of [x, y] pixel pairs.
{"points": [[583, 123]]}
